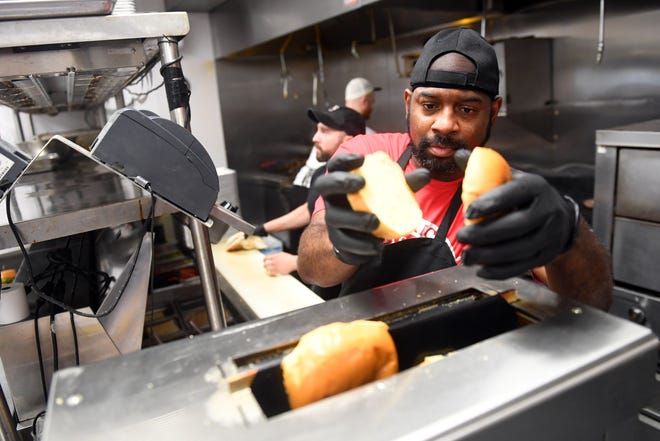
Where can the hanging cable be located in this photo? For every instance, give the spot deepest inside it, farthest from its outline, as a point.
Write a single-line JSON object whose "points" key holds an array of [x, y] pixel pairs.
{"points": [[153, 258], [54, 301], [37, 339]]}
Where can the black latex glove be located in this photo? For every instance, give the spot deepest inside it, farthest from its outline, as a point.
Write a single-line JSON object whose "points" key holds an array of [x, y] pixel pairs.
{"points": [[349, 230], [534, 224], [259, 230]]}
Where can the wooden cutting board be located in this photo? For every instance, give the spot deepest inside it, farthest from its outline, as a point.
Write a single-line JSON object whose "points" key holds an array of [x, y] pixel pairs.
{"points": [[265, 295]]}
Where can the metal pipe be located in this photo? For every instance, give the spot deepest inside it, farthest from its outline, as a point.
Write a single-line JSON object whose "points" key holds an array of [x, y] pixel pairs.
{"points": [[372, 23], [19, 125], [285, 76], [42, 95], [601, 33], [315, 85], [393, 41], [8, 425], [319, 54], [120, 103], [170, 59], [483, 18]]}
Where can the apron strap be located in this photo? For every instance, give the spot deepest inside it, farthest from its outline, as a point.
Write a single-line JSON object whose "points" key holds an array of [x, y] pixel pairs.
{"points": [[405, 157], [451, 213]]}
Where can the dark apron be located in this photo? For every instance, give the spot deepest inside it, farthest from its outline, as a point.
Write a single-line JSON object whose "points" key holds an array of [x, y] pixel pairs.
{"points": [[408, 258]]}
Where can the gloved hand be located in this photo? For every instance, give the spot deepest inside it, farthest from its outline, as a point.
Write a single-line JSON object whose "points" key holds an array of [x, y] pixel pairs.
{"points": [[533, 225], [259, 230], [349, 230]]}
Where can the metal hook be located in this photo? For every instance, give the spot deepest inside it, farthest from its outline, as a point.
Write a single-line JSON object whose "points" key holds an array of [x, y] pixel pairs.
{"points": [[354, 51], [285, 75], [393, 41]]}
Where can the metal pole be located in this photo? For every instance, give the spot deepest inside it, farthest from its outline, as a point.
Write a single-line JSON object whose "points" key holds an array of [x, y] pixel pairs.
{"points": [[8, 430], [119, 100], [174, 85]]}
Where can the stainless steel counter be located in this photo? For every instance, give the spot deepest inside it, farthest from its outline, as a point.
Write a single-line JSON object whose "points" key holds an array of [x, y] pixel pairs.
{"points": [[75, 196], [571, 376]]}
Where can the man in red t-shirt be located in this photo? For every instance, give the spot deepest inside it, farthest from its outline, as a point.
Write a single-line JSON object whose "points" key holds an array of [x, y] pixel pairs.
{"points": [[451, 104]]}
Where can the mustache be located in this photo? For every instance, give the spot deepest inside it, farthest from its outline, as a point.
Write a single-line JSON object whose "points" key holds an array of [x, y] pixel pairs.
{"points": [[446, 141]]}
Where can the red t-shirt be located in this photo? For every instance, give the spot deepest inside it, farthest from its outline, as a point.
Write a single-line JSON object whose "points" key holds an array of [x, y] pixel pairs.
{"points": [[433, 198]]}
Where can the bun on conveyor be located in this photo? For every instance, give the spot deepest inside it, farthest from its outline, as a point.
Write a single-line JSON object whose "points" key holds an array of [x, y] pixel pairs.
{"points": [[338, 357], [387, 195], [485, 170], [238, 241]]}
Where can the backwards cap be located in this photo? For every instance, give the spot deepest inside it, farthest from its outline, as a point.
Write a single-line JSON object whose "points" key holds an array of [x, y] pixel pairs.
{"points": [[358, 87], [339, 118], [464, 41]]}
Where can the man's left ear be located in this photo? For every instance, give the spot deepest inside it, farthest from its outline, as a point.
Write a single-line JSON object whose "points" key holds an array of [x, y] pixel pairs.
{"points": [[495, 108]]}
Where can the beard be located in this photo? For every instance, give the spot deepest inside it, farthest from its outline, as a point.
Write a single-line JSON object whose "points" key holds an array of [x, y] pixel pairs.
{"points": [[437, 166], [322, 156], [440, 167]]}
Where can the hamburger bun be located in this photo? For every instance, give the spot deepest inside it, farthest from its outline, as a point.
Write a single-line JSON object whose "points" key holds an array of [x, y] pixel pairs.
{"points": [[485, 170], [238, 241], [386, 194], [337, 357]]}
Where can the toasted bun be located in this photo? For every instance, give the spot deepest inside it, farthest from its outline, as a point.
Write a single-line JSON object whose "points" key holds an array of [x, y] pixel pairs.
{"points": [[387, 195], [337, 357], [485, 170], [238, 241]]}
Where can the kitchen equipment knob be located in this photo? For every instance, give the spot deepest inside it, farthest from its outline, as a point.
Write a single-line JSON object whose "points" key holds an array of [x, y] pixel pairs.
{"points": [[229, 206], [637, 315]]}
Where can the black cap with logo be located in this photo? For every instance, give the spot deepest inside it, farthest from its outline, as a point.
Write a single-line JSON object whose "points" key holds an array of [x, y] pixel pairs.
{"points": [[339, 118], [464, 41]]}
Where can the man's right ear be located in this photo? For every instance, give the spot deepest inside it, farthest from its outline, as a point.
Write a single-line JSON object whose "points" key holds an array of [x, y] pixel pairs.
{"points": [[407, 96]]}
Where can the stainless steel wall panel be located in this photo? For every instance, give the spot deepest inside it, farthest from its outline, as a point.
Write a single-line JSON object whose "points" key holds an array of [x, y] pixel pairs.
{"points": [[638, 184], [604, 191], [635, 253], [528, 91]]}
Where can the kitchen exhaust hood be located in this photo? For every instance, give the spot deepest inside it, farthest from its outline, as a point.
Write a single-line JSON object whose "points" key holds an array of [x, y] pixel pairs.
{"points": [[50, 65], [252, 27]]}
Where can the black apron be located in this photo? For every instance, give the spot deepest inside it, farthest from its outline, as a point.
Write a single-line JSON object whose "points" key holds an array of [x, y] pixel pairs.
{"points": [[410, 257]]}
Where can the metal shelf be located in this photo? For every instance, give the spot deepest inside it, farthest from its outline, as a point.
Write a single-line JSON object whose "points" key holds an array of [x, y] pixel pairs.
{"points": [[77, 63], [77, 196]]}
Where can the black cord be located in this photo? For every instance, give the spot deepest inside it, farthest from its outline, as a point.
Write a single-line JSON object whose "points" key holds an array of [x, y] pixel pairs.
{"points": [[59, 264], [74, 332], [153, 259], [54, 301], [53, 339], [168, 64], [153, 89], [41, 359], [34, 423], [76, 352]]}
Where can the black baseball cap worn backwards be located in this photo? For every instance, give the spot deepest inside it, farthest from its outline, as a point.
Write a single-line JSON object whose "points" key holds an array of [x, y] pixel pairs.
{"points": [[339, 118], [464, 41]]}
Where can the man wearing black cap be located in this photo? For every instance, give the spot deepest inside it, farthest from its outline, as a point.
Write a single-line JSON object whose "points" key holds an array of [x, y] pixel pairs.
{"points": [[333, 127], [452, 103]]}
